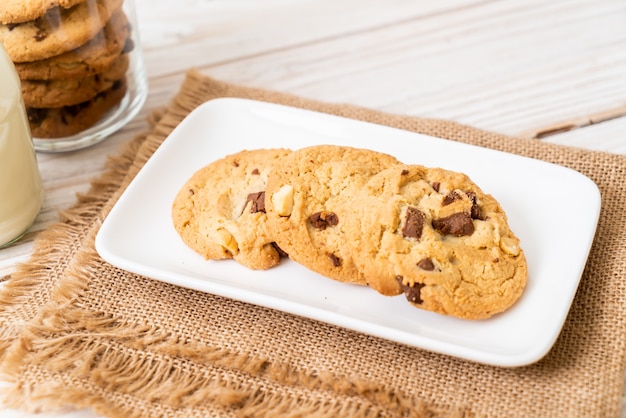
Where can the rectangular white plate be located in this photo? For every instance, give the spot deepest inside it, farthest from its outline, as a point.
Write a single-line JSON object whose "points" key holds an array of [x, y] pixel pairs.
{"points": [[554, 211]]}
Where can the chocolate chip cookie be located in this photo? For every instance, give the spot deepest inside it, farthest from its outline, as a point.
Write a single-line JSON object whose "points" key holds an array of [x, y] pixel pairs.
{"points": [[72, 91], [70, 120], [19, 11], [220, 211], [94, 57], [307, 205], [59, 30], [435, 236]]}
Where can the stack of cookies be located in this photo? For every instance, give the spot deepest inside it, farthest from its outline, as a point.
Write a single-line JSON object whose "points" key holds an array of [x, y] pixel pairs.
{"points": [[360, 217], [72, 57]]}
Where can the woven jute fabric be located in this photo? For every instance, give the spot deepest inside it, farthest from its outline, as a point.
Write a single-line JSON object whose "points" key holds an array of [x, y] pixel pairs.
{"points": [[76, 331]]}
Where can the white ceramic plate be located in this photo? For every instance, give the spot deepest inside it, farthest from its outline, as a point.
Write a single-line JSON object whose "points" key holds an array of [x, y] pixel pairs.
{"points": [[553, 210]]}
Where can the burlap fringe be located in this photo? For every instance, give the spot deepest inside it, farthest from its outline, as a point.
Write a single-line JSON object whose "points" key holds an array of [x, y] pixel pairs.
{"points": [[180, 375]]}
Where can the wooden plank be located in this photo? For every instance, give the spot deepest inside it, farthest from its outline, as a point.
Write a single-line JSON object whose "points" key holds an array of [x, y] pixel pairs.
{"points": [[201, 33], [498, 65], [608, 136]]}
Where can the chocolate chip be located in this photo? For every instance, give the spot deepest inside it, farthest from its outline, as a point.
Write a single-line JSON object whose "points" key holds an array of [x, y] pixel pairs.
{"points": [[256, 171], [458, 224], [321, 220], [279, 250], [336, 260], [11, 26], [35, 115], [258, 202], [453, 196], [68, 113], [191, 192], [475, 211], [412, 293], [40, 35], [236, 163], [43, 24], [404, 172], [436, 185], [426, 264], [413, 224]]}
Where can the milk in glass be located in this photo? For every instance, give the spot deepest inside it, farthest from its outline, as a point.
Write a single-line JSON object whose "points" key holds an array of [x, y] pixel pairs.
{"points": [[21, 191]]}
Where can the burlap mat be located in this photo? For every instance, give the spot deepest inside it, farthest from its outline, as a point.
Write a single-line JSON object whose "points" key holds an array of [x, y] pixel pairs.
{"points": [[77, 331]]}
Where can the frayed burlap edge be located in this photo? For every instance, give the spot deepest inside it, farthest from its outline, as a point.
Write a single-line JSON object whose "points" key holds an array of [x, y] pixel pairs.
{"points": [[83, 385], [151, 369]]}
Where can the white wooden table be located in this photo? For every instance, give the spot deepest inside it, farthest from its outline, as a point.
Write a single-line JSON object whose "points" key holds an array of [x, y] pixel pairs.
{"points": [[553, 71]]}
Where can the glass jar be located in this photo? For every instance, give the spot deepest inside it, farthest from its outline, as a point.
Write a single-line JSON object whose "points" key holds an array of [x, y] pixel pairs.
{"points": [[21, 190], [81, 69]]}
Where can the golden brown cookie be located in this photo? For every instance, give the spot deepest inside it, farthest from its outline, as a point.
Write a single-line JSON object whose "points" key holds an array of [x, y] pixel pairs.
{"points": [[19, 11], [435, 236], [70, 120], [69, 92], [220, 211], [306, 200], [94, 57], [59, 30]]}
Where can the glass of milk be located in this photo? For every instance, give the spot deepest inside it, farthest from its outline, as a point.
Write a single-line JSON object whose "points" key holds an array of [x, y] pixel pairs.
{"points": [[21, 190]]}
